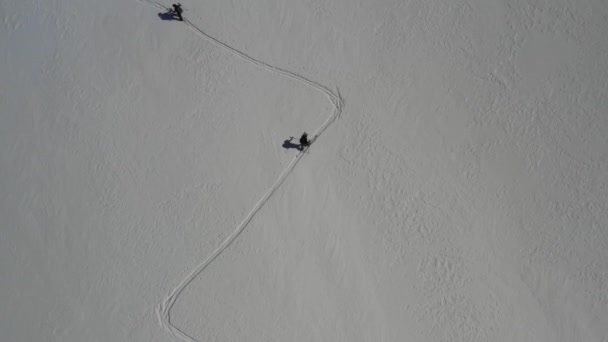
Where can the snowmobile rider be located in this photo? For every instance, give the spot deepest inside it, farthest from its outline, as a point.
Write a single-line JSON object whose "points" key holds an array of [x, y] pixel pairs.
{"points": [[177, 9], [304, 141]]}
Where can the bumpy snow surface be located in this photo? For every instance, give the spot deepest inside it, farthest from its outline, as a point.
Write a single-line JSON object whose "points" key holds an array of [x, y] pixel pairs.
{"points": [[456, 189]]}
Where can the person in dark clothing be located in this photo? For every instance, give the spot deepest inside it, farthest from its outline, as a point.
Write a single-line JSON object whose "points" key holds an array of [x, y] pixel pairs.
{"points": [[177, 9], [304, 141]]}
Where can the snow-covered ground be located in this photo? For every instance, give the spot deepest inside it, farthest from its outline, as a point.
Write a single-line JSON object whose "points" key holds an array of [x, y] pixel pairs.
{"points": [[458, 190]]}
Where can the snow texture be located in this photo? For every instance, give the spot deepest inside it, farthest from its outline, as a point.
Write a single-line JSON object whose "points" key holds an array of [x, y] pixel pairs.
{"points": [[456, 189]]}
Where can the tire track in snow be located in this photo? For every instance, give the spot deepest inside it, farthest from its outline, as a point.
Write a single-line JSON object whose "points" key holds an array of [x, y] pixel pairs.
{"points": [[163, 310]]}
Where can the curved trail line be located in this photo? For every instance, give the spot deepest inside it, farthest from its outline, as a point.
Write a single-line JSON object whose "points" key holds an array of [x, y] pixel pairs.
{"points": [[163, 310]]}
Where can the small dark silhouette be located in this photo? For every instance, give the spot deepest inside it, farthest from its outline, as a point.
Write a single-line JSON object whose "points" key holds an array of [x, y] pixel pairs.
{"points": [[177, 9], [304, 141], [287, 144]]}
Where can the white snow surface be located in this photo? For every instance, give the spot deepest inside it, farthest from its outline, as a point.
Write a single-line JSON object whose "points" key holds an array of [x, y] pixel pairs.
{"points": [[457, 191]]}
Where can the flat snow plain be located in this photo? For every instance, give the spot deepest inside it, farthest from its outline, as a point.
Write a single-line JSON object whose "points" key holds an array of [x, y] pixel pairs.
{"points": [[458, 190]]}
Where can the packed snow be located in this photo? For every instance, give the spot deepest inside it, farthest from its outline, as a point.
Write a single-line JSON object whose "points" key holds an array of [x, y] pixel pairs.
{"points": [[152, 187]]}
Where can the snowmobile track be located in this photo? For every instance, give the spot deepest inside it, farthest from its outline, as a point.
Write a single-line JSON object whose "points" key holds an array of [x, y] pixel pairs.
{"points": [[163, 310]]}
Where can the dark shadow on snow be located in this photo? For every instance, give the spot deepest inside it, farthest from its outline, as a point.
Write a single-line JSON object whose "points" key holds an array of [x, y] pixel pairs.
{"points": [[169, 15], [287, 144]]}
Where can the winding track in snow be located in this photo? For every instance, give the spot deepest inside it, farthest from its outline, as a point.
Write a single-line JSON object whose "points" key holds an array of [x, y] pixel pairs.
{"points": [[163, 310]]}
